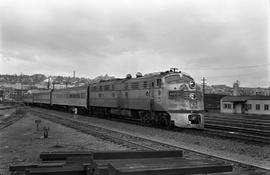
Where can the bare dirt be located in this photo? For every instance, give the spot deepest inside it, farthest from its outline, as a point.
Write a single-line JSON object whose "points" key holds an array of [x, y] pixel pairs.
{"points": [[22, 142]]}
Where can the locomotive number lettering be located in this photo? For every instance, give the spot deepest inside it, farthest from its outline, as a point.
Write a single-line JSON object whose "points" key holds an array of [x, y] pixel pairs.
{"points": [[174, 94]]}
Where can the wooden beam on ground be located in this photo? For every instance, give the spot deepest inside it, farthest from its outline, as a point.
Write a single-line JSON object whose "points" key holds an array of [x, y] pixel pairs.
{"points": [[45, 156], [22, 167], [66, 170], [173, 166]]}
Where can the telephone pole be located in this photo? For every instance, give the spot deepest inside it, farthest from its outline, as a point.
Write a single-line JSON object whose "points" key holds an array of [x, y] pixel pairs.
{"points": [[203, 83]]}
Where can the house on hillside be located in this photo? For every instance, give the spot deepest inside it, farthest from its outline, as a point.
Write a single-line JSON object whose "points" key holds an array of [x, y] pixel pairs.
{"points": [[245, 104]]}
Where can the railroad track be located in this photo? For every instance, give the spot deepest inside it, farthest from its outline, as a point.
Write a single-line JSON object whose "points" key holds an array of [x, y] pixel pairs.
{"points": [[9, 120], [131, 141], [245, 129]]}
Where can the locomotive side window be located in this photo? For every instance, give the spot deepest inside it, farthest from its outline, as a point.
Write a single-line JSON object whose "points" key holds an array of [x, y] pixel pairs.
{"points": [[83, 95], [106, 87], [94, 88], [266, 107], [74, 96], [135, 85], [158, 82], [258, 106], [145, 84]]}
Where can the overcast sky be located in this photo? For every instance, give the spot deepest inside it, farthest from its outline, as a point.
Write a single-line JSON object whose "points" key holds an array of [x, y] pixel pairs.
{"points": [[222, 40]]}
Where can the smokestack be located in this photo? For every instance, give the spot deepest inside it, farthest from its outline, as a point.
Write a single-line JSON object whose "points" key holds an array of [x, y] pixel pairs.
{"points": [[236, 88]]}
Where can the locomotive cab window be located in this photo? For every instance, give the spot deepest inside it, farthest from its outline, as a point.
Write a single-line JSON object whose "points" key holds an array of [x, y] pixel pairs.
{"points": [[172, 79]]}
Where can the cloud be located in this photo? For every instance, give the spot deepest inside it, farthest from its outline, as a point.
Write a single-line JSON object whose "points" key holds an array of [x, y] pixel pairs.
{"points": [[99, 37]]}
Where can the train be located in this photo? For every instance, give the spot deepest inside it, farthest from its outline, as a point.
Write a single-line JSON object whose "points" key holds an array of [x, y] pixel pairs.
{"points": [[168, 99]]}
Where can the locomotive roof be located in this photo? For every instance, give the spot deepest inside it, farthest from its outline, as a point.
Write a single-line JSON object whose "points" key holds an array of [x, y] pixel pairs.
{"points": [[146, 76], [72, 88], [37, 91]]}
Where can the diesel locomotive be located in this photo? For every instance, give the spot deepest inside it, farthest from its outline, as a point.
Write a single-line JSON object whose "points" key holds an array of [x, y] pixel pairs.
{"points": [[170, 98]]}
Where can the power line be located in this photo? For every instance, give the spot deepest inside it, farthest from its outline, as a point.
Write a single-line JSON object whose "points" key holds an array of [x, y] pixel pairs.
{"points": [[228, 68]]}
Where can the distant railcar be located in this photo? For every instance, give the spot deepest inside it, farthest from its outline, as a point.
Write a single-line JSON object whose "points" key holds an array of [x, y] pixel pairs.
{"points": [[41, 97], [28, 99], [70, 98]]}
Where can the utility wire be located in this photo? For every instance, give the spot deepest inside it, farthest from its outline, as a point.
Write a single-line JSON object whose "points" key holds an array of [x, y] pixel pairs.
{"points": [[229, 68]]}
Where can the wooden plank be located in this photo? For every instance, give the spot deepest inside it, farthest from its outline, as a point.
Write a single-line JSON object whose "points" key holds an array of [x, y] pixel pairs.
{"points": [[79, 160], [110, 155], [22, 167], [166, 166], [135, 154], [48, 156], [66, 170]]}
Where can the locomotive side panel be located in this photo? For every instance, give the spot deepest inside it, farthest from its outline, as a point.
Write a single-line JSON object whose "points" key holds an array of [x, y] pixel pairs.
{"points": [[103, 95], [135, 99]]}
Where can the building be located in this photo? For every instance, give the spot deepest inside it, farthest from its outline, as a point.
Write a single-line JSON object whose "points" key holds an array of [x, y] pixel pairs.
{"points": [[245, 104], [249, 91]]}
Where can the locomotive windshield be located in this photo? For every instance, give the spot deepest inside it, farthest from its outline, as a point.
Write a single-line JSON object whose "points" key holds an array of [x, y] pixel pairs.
{"points": [[177, 79]]}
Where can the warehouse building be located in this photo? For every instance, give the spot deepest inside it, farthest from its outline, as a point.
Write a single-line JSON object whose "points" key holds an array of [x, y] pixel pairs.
{"points": [[245, 104]]}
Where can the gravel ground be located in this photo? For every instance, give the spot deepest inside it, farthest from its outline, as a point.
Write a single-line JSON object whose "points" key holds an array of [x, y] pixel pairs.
{"points": [[6, 112], [256, 154], [21, 142]]}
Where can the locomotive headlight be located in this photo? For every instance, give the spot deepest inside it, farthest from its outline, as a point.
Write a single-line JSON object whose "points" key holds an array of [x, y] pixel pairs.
{"points": [[192, 96], [192, 84]]}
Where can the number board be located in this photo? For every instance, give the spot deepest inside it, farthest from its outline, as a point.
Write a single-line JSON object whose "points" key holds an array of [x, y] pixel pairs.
{"points": [[175, 94]]}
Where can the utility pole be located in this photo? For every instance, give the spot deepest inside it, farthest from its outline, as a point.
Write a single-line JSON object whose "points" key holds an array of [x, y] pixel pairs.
{"points": [[49, 82], [203, 83]]}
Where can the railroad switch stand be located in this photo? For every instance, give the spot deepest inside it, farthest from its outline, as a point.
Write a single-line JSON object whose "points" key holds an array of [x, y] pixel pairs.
{"points": [[46, 131], [37, 124]]}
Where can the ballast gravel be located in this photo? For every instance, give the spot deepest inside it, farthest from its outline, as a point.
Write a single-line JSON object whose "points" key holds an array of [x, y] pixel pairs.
{"points": [[246, 152], [22, 142]]}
